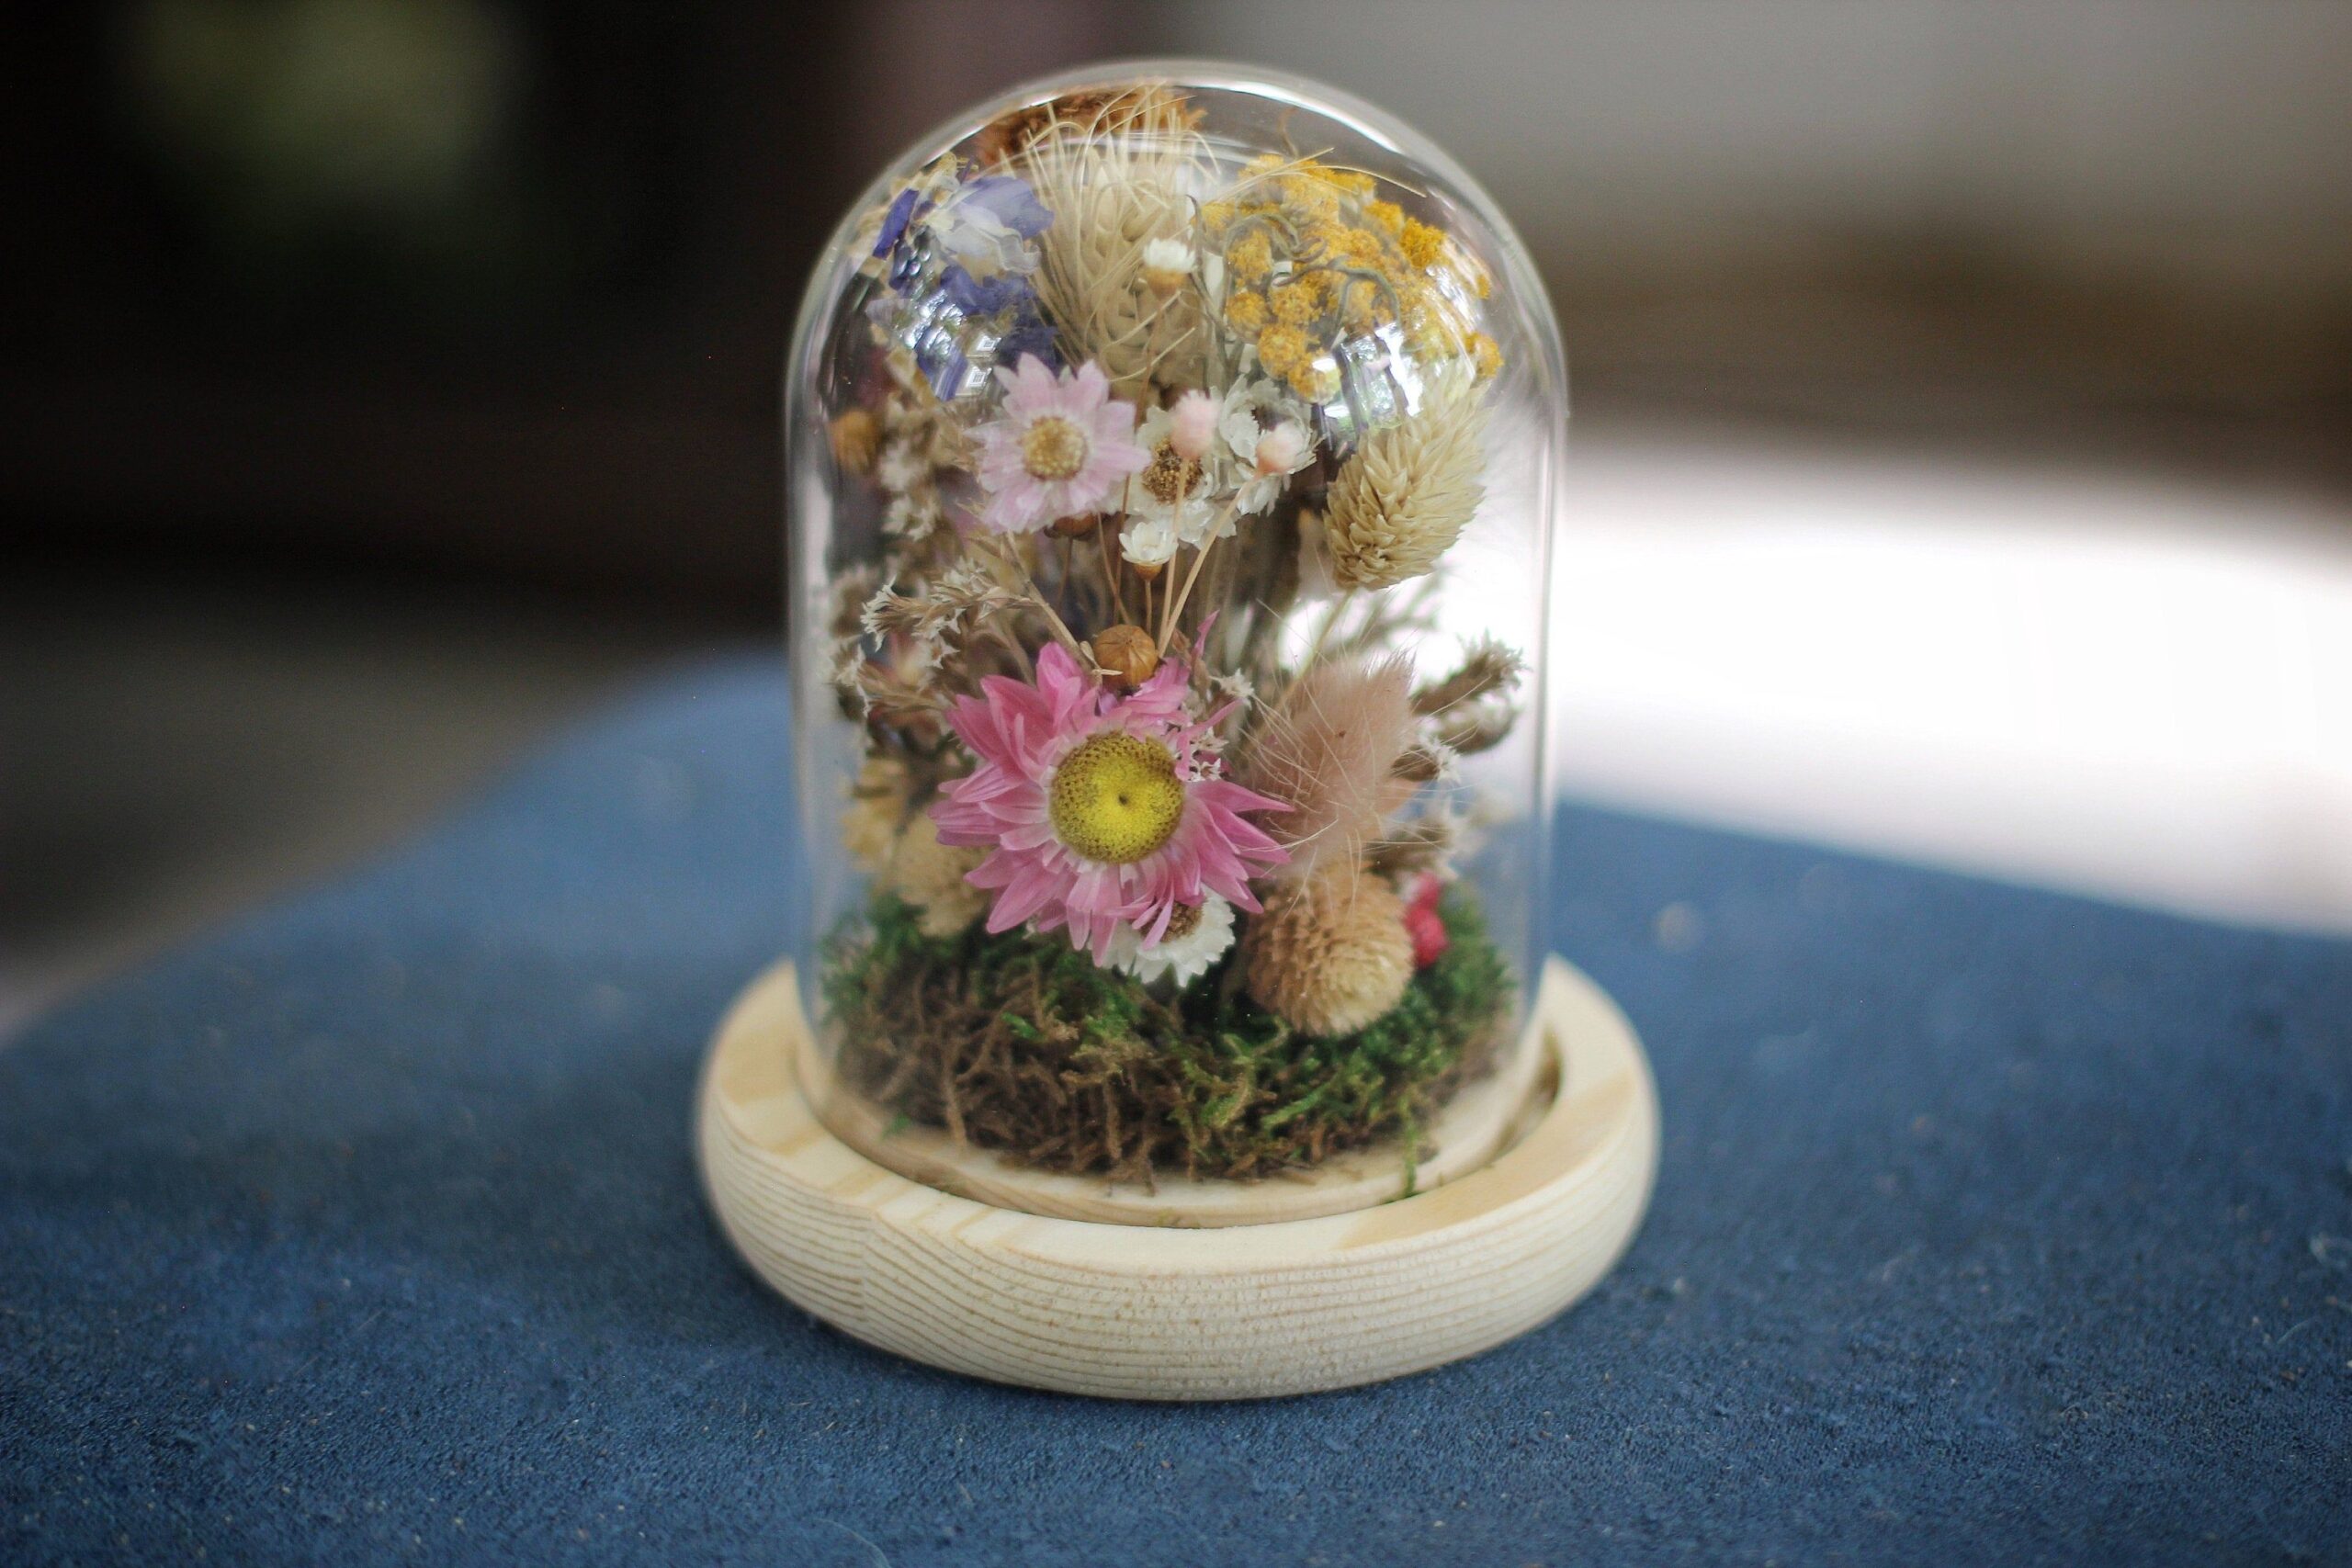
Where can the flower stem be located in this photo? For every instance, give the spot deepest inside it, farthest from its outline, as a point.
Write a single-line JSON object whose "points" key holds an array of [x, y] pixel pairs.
{"points": [[1169, 626], [1175, 606], [1110, 572], [1019, 654], [1037, 595], [1323, 633]]}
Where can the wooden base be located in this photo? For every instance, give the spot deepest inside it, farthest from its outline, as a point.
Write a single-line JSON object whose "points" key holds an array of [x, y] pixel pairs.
{"points": [[1139, 1307]]}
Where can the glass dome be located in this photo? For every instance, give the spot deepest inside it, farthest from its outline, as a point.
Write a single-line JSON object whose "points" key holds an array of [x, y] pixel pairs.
{"points": [[1170, 450]]}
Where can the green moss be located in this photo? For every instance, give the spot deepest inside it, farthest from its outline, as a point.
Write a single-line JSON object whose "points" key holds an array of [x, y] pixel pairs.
{"points": [[1016, 1043]]}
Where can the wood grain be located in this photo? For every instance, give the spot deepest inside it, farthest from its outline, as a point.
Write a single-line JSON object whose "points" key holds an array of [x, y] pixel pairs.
{"points": [[1151, 1311]]}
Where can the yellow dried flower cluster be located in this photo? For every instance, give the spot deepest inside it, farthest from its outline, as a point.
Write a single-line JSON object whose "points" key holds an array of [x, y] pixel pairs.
{"points": [[1314, 256], [1422, 245], [1252, 258], [1487, 353], [1297, 304], [1284, 349]]}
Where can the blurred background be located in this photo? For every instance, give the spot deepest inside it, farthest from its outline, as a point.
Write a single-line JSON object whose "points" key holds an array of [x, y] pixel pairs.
{"points": [[1964, 398]]}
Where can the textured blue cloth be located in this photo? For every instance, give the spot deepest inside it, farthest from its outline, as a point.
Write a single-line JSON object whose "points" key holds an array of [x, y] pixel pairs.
{"points": [[1992, 1227]]}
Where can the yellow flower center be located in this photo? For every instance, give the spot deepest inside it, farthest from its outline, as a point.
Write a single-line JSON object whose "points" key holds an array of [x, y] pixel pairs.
{"points": [[1170, 478], [1053, 448], [1116, 798]]}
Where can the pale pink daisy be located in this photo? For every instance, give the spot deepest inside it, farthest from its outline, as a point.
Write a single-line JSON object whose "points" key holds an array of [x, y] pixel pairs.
{"points": [[1061, 448], [1102, 813]]}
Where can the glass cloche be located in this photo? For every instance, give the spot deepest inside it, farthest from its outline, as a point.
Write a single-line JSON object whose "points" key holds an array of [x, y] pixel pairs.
{"points": [[1171, 453]]}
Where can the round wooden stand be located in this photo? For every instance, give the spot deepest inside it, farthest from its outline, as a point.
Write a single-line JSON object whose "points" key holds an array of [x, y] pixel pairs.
{"points": [[1185, 1294]]}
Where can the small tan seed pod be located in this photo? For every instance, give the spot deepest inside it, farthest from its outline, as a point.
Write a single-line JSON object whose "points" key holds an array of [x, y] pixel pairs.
{"points": [[856, 437], [1127, 656], [1076, 527], [1331, 956]]}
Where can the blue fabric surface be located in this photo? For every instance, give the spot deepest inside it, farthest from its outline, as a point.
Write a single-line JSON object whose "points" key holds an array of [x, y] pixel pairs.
{"points": [[1992, 1227]]}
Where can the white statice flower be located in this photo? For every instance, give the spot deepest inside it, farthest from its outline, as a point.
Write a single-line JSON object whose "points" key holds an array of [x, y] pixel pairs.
{"points": [[1183, 954], [912, 515], [908, 475], [1234, 687], [919, 440], [901, 466], [1262, 456]]}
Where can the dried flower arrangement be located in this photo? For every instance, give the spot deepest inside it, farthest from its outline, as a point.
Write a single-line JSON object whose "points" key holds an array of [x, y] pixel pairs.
{"points": [[1163, 445]]}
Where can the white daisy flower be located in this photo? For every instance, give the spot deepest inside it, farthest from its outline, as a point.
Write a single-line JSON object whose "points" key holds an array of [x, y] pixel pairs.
{"points": [[1183, 494], [1168, 255], [1185, 953], [1147, 540], [1262, 458], [1166, 265]]}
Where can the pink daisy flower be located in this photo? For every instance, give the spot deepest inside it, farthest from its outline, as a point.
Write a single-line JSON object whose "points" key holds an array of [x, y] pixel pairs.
{"points": [[1061, 448], [1101, 813]]}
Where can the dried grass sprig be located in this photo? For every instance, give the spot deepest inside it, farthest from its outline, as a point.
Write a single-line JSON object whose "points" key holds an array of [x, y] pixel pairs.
{"points": [[846, 598], [881, 693], [1033, 598], [1486, 668], [1116, 177], [890, 613], [1390, 619], [946, 622], [1426, 760], [1465, 732], [1426, 842], [1153, 107]]}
